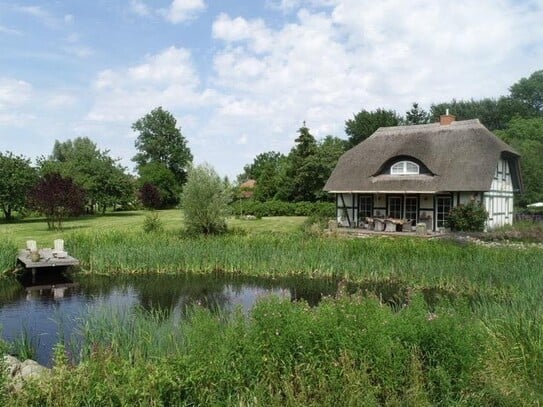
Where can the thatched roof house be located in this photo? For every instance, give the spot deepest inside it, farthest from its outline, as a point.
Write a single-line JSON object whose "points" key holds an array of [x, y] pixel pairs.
{"points": [[420, 172]]}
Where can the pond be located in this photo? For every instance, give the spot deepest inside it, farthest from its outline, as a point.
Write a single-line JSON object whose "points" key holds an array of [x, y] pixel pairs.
{"points": [[49, 308]]}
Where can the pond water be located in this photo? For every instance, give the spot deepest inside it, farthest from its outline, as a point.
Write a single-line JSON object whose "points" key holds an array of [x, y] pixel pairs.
{"points": [[48, 308]]}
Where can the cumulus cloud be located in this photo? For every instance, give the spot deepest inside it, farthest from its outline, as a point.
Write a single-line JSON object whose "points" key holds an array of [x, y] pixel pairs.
{"points": [[165, 79], [183, 10]]}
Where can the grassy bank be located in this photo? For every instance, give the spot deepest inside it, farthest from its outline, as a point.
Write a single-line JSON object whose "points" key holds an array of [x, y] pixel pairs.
{"points": [[480, 344]]}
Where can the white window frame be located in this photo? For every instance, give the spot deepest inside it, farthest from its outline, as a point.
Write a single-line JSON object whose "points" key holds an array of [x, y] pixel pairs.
{"points": [[401, 168]]}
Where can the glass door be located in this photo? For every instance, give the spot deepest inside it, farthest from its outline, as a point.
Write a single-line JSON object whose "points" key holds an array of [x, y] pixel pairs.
{"points": [[443, 207], [395, 207]]}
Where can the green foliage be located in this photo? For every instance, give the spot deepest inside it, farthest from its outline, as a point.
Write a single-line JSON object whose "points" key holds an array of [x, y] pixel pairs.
{"points": [[494, 114], [470, 217], [8, 254], [105, 182], [365, 123], [160, 141], [152, 223], [158, 174], [342, 352], [205, 201], [416, 115], [16, 180], [530, 91], [281, 208], [526, 136]]}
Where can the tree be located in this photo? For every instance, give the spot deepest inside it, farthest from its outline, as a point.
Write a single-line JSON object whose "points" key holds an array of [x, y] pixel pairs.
{"points": [[530, 91], [157, 174], [205, 201], [56, 198], [365, 123], [17, 177], [296, 182], [149, 196], [265, 170], [105, 182], [526, 136], [494, 114], [160, 141], [416, 115]]}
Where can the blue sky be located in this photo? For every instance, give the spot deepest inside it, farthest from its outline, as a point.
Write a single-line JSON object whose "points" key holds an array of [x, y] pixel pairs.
{"points": [[241, 76]]}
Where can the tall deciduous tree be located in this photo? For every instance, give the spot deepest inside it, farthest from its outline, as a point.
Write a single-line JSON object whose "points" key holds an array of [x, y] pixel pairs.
{"points": [[530, 91], [16, 178], [205, 201], [56, 198], [105, 182], [160, 141], [526, 136], [364, 123], [494, 114]]}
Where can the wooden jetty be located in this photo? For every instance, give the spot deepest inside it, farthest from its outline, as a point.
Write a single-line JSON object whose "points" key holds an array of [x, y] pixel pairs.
{"points": [[47, 259]]}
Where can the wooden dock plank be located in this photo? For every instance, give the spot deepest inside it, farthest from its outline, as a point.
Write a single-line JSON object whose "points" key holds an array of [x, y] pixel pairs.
{"points": [[47, 259]]}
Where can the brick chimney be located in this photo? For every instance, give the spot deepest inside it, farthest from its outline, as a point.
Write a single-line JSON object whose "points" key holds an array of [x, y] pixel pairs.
{"points": [[446, 119]]}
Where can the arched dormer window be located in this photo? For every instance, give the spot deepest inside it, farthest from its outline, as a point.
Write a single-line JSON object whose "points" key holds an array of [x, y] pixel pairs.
{"points": [[405, 168]]}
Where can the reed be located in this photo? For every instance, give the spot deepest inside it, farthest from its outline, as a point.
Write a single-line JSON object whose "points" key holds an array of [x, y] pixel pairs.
{"points": [[346, 351]]}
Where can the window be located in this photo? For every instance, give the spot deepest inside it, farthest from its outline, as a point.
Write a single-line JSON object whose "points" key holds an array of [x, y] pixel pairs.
{"points": [[405, 168], [365, 207]]}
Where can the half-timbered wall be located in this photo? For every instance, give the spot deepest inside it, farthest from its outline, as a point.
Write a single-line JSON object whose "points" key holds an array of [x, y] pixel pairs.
{"points": [[499, 200]]}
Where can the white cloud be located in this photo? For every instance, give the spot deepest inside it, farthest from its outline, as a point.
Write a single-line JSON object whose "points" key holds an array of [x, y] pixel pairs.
{"points": [[13, 92], [140, 8], [166, 79], [183, 10]]}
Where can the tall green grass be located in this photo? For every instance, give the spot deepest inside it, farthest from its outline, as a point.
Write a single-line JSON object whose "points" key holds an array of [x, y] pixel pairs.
{"points": [[418, 262], [347, 351]]}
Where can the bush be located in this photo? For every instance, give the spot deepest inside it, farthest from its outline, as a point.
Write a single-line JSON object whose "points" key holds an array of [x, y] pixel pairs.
{"points": [[280, 208], [152, 223], [205, 202], [467, 218]]}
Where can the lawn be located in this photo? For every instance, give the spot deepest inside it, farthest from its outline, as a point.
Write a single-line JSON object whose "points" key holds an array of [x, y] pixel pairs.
{"points": [[172, 219]]}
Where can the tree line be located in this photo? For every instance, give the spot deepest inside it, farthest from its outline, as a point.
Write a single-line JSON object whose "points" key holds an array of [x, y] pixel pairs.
{"points": [[78, 177], [300, 175]]}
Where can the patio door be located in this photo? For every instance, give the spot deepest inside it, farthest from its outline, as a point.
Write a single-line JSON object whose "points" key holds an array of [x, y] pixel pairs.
{"points": [[411, 208], [395, 207], [443, 207]]}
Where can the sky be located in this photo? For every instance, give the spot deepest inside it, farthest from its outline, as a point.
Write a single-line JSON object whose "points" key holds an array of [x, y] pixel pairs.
{"points": [[241, 76]]}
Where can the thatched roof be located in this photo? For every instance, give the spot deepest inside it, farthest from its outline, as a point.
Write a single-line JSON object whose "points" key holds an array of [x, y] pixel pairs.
{"points": [[461, 156]]}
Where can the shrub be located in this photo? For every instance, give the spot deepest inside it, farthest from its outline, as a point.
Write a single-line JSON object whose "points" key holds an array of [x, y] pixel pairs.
{"points": [[152, 223], [205, 201], [281, 208], [468, 218]]}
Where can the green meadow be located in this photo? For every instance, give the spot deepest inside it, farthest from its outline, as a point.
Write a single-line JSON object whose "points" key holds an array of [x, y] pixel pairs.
{"points": [[466, 326]]}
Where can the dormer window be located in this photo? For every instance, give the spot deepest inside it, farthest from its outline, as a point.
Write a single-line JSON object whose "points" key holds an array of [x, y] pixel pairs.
{"points": [[405, 168]]}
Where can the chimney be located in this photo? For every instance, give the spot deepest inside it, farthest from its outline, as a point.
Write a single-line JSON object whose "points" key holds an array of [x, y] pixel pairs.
{"points": [[446, 119]]}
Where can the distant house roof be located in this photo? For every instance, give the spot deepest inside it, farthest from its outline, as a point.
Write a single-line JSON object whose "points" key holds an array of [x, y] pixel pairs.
{"points": [[246, 188], [460, 156]]}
